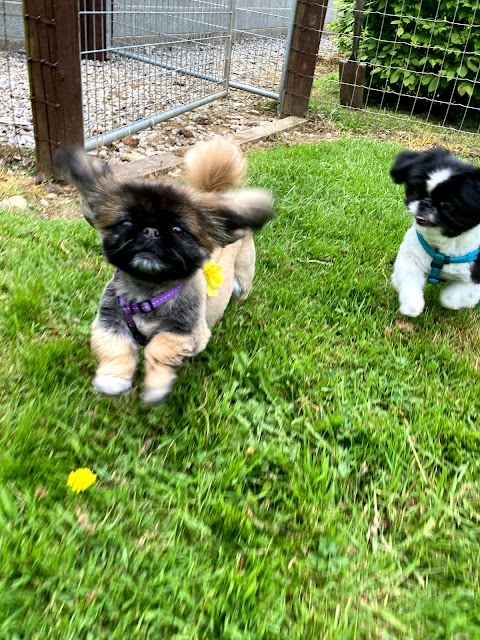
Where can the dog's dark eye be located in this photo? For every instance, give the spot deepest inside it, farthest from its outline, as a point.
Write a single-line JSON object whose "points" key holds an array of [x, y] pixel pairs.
{"points": [[446, 206], [126, 224], [178, 231]]}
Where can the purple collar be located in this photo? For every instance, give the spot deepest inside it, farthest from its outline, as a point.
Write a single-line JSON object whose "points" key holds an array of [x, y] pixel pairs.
{"points": [[130, 308]]}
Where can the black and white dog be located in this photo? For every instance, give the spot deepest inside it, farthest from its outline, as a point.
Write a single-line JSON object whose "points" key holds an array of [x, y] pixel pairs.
{"points": [[443, 196]]}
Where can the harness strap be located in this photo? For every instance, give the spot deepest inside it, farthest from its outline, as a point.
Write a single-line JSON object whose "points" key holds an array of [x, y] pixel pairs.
{"points": [[440, 259], [131, 308]]}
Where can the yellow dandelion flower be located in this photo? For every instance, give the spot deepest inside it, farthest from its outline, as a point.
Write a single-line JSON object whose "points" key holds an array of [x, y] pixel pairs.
{"points": [[81, 479], [214, 277]]}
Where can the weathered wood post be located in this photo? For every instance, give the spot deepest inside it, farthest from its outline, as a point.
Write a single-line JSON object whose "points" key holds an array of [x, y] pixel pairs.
{"points": [[302, 57], [53, 56]]}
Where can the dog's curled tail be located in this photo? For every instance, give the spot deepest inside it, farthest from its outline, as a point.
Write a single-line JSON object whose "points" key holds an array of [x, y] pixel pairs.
{"points": [[215, 165]]}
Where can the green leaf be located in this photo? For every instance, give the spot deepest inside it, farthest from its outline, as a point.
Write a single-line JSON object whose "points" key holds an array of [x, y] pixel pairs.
{"points": [[433, 84], [395, 76], [456, 38], [472, 64], [465, 88]]}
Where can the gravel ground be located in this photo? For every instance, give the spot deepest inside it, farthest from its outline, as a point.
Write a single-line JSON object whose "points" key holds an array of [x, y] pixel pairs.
{"points": [[122, 90]]}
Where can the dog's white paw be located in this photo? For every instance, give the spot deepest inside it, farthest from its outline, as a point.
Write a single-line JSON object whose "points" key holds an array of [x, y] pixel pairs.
{"points": [[460, 296], [412, 307], [156, 396], [111, 386], [411, 310]]}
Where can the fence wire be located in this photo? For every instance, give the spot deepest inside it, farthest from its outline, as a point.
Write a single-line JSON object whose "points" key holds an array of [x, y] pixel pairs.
{"points": [[260, 43], [421, 62], [16, 128], [144, 61]]}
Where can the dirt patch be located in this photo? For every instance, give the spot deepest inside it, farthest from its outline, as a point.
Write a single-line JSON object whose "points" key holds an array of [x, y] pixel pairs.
{"points": [[55, 199]]}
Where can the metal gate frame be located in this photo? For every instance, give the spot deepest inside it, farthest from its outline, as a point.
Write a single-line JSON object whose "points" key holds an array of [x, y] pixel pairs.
{"points": [[226, 83], [134, 127]]}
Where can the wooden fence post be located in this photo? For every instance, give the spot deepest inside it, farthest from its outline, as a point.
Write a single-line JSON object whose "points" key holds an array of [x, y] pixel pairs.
{"points": [[53, 56], [302, 57]]}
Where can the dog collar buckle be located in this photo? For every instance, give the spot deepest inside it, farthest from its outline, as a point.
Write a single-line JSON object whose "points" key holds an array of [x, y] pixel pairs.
{"points": [[145, 306]]}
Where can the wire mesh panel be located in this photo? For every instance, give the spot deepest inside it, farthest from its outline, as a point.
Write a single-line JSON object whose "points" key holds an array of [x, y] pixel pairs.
{"points": [[419, 59], [261, 39], [144, 61], [16, 128]]}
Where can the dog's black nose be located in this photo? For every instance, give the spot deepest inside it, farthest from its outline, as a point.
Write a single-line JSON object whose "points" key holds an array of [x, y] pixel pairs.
{"points": [[150, 232], [425, 204]]}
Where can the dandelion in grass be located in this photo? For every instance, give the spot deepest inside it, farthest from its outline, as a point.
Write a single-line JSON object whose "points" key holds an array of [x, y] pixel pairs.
{"points": [[214, 276], [81, 479]]}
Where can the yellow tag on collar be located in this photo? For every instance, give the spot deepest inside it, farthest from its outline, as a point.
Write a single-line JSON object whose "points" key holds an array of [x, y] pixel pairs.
{"points": [[214, 277]]}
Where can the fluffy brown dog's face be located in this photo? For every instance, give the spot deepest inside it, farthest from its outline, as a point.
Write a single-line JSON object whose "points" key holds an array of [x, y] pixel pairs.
{"points": [[157, 231], [149, 231]]}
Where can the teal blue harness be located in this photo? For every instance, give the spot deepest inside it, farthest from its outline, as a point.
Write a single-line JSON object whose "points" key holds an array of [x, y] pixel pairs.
{"points": [[440, 259]]}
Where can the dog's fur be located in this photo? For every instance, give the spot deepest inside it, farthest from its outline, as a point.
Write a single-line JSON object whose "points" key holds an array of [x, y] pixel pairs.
{"points": [[158, 234], [443, 196]]}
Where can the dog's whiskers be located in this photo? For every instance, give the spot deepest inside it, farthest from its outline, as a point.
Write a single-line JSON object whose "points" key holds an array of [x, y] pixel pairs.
{"points": [[178, 255], [120, 248]]}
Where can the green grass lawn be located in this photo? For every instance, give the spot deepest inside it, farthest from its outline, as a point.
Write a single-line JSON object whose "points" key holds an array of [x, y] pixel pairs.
{"points": [[314, 473]]}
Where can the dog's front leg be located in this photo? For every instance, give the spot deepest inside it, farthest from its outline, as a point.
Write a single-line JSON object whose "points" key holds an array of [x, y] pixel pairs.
{"points": [[409, 279], [164, 354], [116, 354]]}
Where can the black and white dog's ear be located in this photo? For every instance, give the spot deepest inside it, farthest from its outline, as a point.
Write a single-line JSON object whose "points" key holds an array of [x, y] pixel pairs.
{"points": [[87, 173], [403, 164], [406, 160]]}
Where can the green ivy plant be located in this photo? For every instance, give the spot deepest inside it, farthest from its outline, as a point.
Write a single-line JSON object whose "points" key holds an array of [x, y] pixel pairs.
{"points": [[433, 54]]}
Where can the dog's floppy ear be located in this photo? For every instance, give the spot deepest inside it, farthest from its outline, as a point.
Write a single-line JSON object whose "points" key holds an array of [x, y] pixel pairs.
{"points": [[87, 173], [406, 160], [237, 211], [402, 165]]}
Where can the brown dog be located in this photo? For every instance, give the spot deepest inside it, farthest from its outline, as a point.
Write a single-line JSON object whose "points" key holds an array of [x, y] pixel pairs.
{"points": [[159, 236]]}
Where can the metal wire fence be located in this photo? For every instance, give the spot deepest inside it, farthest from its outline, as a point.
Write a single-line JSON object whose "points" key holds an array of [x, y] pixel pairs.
{"points": [[261, 31], [16, 129], [413, 60], [144, 61]]}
